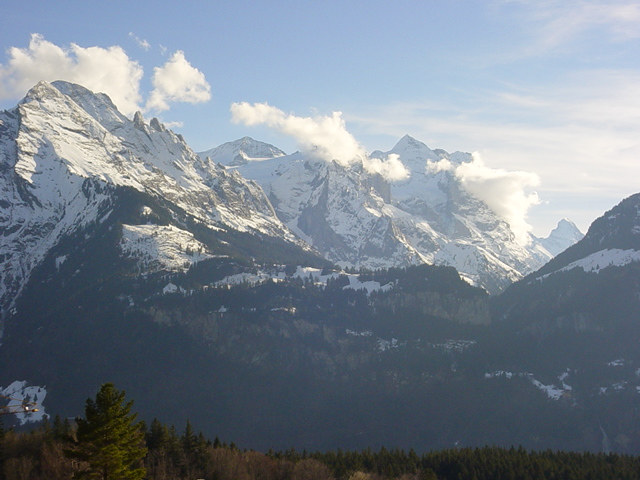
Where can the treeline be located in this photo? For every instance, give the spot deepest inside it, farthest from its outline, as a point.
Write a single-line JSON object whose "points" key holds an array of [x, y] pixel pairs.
{"points": [[109, 444], [40, 454]]}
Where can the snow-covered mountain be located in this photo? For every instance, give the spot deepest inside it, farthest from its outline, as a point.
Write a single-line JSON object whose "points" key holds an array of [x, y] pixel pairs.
{"points": [[242, 151], [612, 240], [562, 237], [63, 153], [356, 218]]}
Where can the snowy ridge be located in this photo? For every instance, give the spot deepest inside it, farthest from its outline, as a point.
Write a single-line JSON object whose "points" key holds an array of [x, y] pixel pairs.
{"points": [[357, 219], [598, 261], [242, 151], [63, 150]]}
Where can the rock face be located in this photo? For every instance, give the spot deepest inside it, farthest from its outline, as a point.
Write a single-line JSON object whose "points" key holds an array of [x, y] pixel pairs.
{"points": [[562, 237], [63, 153], [358, 219]]}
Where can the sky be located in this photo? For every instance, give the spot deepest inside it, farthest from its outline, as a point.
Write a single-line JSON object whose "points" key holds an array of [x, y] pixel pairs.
{"points": [[546, 94]]}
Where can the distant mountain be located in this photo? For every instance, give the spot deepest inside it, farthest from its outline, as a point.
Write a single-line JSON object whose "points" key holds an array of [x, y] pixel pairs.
{"points": [[562, 237], [242, 151], [357, 219]]}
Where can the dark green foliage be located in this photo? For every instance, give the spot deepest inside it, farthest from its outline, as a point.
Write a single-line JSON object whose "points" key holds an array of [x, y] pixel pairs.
{"points": [[108, 439], [38, 455]]}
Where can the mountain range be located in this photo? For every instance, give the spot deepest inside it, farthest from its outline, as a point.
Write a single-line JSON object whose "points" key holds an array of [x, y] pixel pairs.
{"points": [[358, 219], [65, 152], [278, 300]]}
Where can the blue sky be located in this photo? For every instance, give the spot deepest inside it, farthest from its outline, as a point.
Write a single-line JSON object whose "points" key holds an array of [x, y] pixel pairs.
{"points": [[551, 88]]}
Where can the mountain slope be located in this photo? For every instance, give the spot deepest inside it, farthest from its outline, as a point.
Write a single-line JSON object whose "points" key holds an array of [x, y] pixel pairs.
{"points": [[589, 291], [358, 219], [617, 229], [63, 153], [241, 152], [562, 237]]}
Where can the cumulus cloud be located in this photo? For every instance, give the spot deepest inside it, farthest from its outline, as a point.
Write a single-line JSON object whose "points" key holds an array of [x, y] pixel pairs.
{"points": [[392, 168], [325, 137], [107, 70], [177, 81], [507, 193]]}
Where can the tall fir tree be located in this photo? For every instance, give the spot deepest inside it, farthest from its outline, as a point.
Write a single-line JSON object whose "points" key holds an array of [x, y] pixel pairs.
{"points": [[109, 439]]}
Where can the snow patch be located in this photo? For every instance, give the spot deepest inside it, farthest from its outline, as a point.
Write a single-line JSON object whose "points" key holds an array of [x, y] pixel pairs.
{"points": [[355, 333], [552, 391], [305, 273], [369, 286], [613, 388], [384, 345], [26, 401], [598, 261], [170, 288], [457, 346], [162, 247], [499, 373], [60, 260]]}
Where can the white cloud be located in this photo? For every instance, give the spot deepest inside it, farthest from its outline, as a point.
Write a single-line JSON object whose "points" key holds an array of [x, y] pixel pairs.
{"points": [[579, 134], [391, 169], [325, 137], [142, 43], [177, 81], [442, 165], [107, 70], [562, 25], [507, 193], [563, 20], [174, 124]]}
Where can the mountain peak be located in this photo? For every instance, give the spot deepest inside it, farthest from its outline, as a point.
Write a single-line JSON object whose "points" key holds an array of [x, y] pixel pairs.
{"points": [[98, 105], [566, 225], [565, 234], [41, 90], [618, 229], [409, 142], [242, 151]]}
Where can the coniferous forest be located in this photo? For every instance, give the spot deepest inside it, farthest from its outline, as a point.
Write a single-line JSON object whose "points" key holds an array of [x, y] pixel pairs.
{"points": [[109, 443]]}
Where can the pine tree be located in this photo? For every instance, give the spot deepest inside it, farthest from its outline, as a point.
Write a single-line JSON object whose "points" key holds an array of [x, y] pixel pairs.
{"points": [[108, 439]]}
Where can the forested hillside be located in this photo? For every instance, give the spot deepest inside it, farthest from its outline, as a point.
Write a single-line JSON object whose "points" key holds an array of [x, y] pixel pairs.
{"points": [[64, 449]]}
